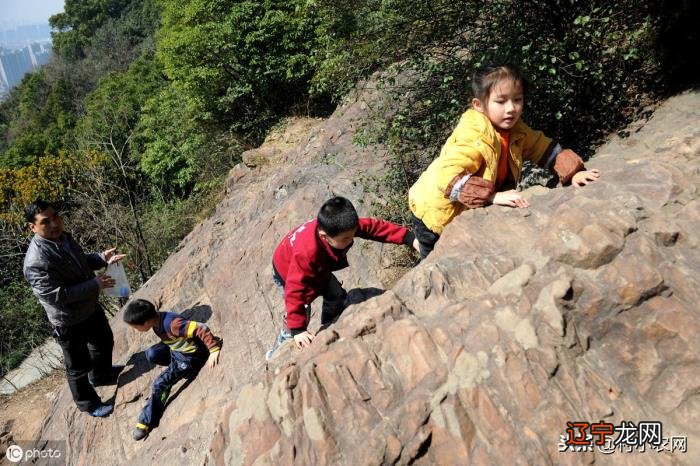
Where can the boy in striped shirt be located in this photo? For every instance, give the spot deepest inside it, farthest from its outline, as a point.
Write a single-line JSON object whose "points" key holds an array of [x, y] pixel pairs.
{"points": [[185, 347]]}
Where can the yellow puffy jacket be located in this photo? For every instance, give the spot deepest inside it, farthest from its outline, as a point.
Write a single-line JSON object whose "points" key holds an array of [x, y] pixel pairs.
{"points": [[475, 148]]}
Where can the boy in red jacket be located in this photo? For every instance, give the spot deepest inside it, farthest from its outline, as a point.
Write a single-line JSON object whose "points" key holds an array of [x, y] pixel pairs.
{"points": [[304, 262]]}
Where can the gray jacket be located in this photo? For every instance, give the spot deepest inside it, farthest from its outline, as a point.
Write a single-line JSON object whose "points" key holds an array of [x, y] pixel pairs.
{"points": [[62, 278]]}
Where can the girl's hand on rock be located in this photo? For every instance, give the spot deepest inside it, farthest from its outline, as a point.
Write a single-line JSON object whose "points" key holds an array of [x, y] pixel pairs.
{"points": [[510, 198], [585, 177]]}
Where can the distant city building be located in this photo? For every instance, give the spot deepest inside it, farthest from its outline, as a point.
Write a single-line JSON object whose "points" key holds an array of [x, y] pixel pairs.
{"points": [[17, 36], [3, 90], [14, 64], [23, 48], [40, 53]]}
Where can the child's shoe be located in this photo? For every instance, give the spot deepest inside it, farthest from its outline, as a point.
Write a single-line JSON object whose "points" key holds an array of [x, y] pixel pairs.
{"points": [[283, 336], [140, 432]]}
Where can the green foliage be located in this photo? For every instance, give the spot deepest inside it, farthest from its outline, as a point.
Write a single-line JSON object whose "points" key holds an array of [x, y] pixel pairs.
{"points": [[360, 37], [245, 63], [104, 134], [171, 143], [79, 21], [121, 40], [40, 120], [114, 108], [23, 324]]}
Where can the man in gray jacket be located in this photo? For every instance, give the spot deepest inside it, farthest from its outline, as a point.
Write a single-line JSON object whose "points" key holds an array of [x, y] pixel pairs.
{"points": [[62, 278]]}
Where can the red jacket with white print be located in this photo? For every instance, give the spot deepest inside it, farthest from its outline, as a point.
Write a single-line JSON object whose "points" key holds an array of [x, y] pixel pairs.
{"points": [[305, 262]]}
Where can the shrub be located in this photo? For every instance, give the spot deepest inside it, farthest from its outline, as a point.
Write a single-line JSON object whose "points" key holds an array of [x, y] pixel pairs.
{"points": [[23, 324], [245, 63]]}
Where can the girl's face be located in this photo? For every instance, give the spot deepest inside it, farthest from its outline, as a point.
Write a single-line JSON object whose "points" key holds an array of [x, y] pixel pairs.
{"points": [[504, 105]]}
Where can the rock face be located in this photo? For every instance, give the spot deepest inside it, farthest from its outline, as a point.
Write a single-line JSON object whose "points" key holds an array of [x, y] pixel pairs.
{"points": [[222, 274], [582, 308]]}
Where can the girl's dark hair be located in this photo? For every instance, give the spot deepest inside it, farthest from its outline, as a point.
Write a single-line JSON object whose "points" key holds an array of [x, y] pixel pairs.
{"points": [[139, 311], [337, 215], [487, 76]]}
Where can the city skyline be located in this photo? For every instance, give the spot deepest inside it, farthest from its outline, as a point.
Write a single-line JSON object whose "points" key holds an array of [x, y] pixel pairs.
{"points": [[25, 38], [16, 63], [29, 11]]}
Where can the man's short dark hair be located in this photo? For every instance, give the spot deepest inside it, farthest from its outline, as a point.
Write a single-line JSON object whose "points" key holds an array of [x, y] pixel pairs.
{"points": [[37, 207], [139, 311], [337, 215]]}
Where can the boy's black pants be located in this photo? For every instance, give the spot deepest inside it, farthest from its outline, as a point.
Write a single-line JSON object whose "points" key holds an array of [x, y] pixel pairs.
{"points": [[86, 346], [425, 236], [334, 296]]}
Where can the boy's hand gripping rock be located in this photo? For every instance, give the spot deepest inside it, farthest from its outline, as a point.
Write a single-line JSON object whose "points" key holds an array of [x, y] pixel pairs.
{"points": [[213, 359], [303, 339]]}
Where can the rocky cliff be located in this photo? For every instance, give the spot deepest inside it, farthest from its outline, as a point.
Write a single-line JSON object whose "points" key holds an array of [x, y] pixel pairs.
{"points": [[581, 308]]}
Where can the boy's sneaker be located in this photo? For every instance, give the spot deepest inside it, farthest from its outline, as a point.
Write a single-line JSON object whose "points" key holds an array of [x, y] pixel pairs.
{"points": [[140, 432], [283, 336], [111, 379], [102, 410]]}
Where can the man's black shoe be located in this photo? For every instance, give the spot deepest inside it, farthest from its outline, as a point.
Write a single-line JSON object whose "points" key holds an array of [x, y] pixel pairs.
{"points": [[102, 410]]}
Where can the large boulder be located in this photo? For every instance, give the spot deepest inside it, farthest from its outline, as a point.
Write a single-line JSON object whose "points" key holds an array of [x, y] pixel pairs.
{"points": [[582, 308]]}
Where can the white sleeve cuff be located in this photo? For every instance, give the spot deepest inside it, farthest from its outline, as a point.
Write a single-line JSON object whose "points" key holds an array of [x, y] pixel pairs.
{"points": [[454, 194]]}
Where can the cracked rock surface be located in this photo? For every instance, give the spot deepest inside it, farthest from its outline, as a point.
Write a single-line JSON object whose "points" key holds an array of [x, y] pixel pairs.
{"points": [[583, 307]]}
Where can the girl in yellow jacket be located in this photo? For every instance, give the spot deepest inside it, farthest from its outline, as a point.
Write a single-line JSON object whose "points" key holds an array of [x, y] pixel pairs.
{"points": [[481, 161]]}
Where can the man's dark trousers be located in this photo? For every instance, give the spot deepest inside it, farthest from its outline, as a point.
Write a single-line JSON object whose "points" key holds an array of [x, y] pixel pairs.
{"points": [[87, 346]]}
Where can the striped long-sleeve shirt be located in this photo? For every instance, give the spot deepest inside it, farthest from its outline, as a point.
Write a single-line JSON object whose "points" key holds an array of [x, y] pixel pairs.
{"points": [[185, 336]]}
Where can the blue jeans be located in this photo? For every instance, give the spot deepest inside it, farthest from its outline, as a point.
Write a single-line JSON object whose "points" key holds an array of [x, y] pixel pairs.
{"points": [[180, 365]]}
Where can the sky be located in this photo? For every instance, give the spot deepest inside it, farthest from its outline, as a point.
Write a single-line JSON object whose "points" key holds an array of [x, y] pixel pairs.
{"points": [[29, 11]]}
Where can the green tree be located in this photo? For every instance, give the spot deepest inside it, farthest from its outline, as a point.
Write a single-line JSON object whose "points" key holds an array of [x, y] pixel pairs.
{"points": [[112, 113], [40, 122], [244, 62], [113, 109], [171, 143], [79, 20]]}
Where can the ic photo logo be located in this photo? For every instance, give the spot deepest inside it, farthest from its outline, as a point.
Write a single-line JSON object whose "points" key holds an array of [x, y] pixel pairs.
{"points": [[49, 452], [14, 453]]}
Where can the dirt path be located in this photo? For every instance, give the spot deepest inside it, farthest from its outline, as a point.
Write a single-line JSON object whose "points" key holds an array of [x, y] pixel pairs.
{"points": [[22, 413]]}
